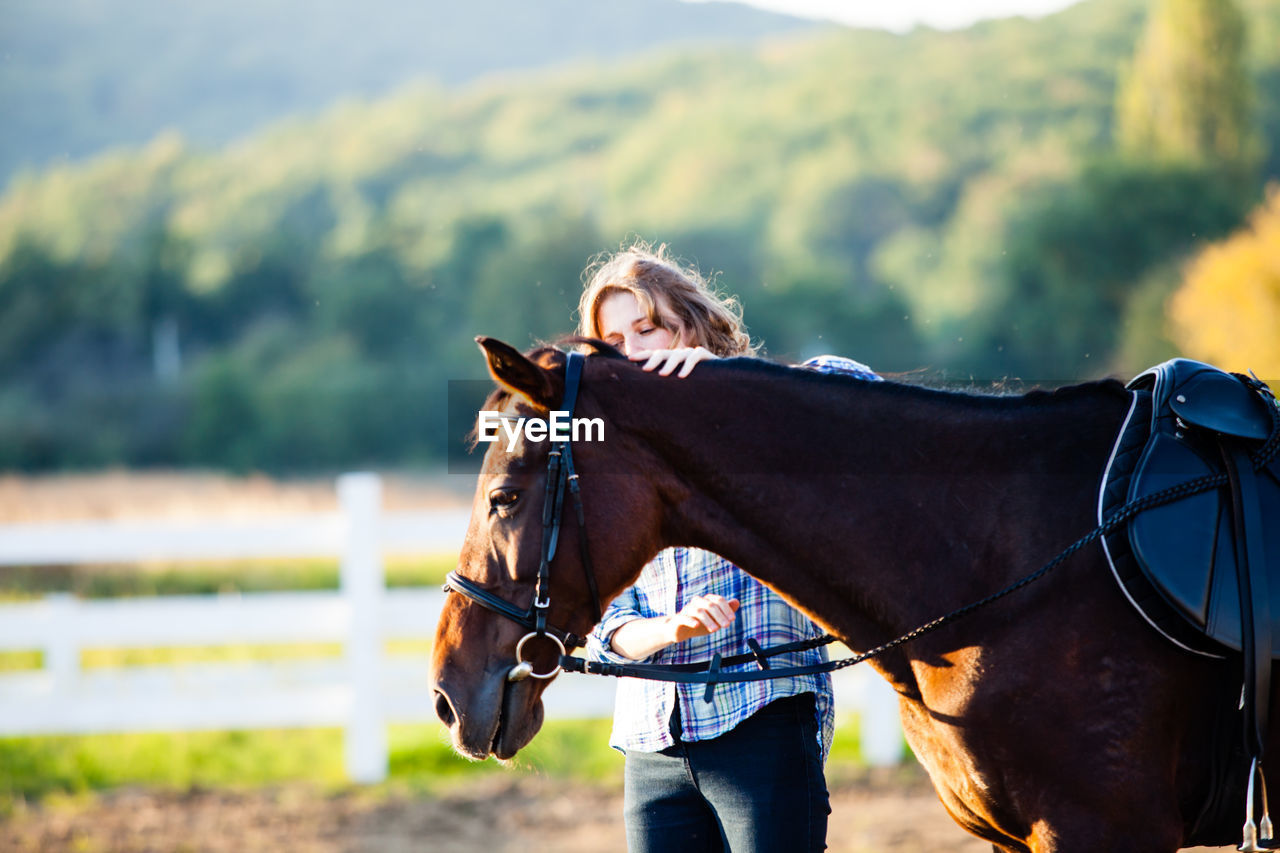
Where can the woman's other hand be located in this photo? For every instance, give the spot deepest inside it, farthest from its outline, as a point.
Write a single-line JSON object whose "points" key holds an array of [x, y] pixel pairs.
{"points": [[705, 614], [684, 358]]}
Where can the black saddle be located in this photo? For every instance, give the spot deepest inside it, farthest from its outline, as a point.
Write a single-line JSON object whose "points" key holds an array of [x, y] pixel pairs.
{"points": [[1204, 570], [1179, 564]]}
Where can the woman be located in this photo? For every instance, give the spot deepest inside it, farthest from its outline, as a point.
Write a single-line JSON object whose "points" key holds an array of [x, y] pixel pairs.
{"points": [[743, 772]]}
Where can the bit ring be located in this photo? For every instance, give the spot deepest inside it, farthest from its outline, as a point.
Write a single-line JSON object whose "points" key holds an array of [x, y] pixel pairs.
{"points": [[524, 669]]}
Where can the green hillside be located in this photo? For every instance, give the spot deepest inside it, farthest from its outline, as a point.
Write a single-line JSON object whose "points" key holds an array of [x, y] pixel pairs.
{"points": [[937, 200], [80, 76]]}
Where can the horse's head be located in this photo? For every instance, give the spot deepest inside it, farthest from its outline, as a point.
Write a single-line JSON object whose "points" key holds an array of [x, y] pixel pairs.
{"points": [[488, 704]]}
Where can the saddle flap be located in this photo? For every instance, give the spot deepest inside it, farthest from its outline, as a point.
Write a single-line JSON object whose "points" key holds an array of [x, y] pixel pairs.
{"points": [[1176, 543], [1221, 403]]}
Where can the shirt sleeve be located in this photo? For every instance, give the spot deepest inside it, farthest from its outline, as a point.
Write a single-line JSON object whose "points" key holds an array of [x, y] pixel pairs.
{"points": [[623, 609], [840, 364]]}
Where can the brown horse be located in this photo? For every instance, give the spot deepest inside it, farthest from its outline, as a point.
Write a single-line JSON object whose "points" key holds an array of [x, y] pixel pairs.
{"points": [[1053, 720]]}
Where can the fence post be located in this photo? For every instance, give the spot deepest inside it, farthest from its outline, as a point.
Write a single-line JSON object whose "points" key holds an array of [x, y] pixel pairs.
{"points": [[363, 586], [881, 733], [61, 645]]}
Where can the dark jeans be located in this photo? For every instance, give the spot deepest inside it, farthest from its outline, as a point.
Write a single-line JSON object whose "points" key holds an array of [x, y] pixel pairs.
{"points": [[759, 787]]}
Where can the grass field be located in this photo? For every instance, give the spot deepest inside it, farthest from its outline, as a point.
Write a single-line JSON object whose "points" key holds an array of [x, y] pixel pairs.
{"points": [[33, 768], [204, 578]]}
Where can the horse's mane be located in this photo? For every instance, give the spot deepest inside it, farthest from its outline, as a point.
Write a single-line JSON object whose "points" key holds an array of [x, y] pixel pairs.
{"points": [[995, 398], [552, 355]]}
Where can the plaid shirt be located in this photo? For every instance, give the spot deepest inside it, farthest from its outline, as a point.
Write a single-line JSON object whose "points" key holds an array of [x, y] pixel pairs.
{"points": [[643, 709]]}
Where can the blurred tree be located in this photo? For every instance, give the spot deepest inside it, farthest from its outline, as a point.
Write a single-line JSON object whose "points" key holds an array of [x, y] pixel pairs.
{"points": [[905, 199], [1228, 308], [164, 312], [33, 306], [1188, 95], [226, 416], [470, 246], [855, 216], [1076, 254], [529, 291], [1144, 337], [368, 298]]}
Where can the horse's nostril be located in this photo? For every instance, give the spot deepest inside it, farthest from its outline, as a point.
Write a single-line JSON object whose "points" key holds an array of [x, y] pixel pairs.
{"points": [[443, 709]]}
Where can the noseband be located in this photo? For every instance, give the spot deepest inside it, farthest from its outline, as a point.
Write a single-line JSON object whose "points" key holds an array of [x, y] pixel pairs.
{"points": [[560, 476]]}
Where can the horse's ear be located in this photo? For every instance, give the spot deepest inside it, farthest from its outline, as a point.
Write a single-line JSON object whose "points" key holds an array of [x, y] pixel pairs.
{"points": [[517, 374]]}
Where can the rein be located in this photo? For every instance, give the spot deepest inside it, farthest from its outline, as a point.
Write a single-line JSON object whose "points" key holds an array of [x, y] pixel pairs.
{"points": [[710, 673], [561, 475]]}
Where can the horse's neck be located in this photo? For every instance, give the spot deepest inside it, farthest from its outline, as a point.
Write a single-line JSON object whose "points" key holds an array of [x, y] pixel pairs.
{"points": [[866, 505]]}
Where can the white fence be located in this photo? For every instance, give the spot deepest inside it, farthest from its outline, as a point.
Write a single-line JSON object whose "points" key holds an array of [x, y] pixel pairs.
{"points": [[361, 692]]}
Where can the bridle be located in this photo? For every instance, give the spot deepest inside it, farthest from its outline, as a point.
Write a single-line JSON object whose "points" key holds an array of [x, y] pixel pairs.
{"points": [[561, 476]]}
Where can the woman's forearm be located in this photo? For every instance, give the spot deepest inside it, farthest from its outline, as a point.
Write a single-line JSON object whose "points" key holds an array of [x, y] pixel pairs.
{"points": [[640, 638], [704, 614]]}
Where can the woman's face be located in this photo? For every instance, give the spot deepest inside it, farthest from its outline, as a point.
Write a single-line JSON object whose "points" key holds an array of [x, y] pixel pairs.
{"points": [[625, 325]]}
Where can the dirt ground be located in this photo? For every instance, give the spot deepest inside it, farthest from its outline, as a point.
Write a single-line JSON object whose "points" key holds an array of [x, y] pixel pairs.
{"points": [[878, 813], [527, 814]]}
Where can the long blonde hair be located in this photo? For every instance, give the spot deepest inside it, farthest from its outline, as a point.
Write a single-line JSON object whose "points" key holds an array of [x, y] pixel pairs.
{"points": [[668, 292]]}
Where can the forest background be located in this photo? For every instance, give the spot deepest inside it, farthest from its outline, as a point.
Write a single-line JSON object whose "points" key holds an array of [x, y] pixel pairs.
{"points": [[209, 260]]}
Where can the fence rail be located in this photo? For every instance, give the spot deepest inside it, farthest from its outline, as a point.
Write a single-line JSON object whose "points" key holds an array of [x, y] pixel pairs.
{"points": [[361, 691]]}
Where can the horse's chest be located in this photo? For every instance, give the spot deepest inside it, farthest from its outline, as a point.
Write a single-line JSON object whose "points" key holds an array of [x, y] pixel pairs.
{"points": [[964, 773], [944, 752], [963, 784]]}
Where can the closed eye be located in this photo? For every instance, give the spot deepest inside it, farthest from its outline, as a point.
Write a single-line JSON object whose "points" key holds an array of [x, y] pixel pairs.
{"points": [[503, 501]]}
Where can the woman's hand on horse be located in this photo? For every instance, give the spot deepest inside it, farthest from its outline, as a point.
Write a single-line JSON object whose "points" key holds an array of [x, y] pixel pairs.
{"points": [[684, 358], [703, 615]]}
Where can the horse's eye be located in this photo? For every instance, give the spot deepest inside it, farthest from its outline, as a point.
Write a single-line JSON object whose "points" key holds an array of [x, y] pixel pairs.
{"points": [[501, 500]]}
